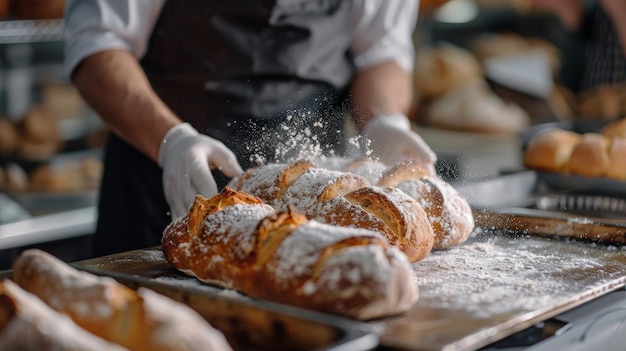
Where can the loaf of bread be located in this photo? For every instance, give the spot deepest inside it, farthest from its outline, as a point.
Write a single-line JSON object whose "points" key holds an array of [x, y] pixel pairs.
{"points": [[473, 107], [588, 154], [27, 323], [338, 198], [550, 150], [137, 320], [236, 241], [449, 213]]}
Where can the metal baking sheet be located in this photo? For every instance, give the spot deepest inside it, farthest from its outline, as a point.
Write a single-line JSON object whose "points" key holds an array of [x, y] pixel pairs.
{"points": [[248, 324], [586, 185], [492, 286]]}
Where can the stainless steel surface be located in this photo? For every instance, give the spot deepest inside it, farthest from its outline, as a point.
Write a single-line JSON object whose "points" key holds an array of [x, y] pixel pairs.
{"points": [[491, 287], [47, 228], [248, 324], [584, 205]]}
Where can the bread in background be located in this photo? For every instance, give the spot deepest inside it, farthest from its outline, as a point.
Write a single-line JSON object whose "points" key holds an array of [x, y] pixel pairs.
{"points": [[590, 156], [474, 107], [615, 128], [550, 150]]}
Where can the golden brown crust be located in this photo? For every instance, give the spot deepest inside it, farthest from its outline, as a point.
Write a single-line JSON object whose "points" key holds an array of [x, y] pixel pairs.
{"points": [[550, 151], [403, 215], [449, 213], [134, 319], [590, 156], [282, 256], [617, 159], [406, 170], [27, 323]]}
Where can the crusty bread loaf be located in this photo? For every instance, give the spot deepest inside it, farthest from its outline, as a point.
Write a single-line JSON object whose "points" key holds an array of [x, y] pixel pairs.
{"points": [[137, 320], [320, 194], [590, 156], [27, 323], [405, 218], [449, 213], [407, 170], [551, 150], [284, 257]]}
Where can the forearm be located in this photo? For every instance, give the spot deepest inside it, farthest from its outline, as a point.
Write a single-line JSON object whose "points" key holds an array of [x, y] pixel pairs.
{"points": [[114, 85], [382, 89]]}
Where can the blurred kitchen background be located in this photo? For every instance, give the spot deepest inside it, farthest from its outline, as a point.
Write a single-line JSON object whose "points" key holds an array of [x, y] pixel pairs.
{"points": [[487, 73]]}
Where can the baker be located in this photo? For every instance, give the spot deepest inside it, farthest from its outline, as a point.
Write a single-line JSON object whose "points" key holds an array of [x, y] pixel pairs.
{"points": [[194, 91]]}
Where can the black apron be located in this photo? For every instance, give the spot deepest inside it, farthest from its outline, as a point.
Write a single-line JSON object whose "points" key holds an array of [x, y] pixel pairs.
{"points": [[267, 78]]}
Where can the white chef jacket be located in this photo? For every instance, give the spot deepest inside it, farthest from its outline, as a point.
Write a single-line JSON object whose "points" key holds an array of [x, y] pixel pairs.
{"points": [[382, 30]]}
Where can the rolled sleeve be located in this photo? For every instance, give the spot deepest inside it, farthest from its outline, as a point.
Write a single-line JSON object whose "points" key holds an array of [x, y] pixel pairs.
{"points": [[383, 31], [97, 25]]}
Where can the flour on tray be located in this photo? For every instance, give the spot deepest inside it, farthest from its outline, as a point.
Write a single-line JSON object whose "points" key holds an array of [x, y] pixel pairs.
{"points": [[497, 274]]}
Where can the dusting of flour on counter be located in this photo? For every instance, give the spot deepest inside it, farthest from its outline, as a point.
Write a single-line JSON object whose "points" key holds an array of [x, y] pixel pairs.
{"points": [[497, 274]]}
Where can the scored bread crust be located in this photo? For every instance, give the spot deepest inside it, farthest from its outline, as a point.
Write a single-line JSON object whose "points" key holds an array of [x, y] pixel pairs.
{"points": [[403, 215], [27, 323], [137, 320], [449, 213], [284, 257]]}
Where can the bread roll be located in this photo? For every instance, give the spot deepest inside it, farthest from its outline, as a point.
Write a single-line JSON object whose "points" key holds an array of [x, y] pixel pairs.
{"points": [[450, 215], [284, 257], [617, 159], [474, 107], [443, 68], [551, 150], [27, 323], [590, 156], [138, 320]]}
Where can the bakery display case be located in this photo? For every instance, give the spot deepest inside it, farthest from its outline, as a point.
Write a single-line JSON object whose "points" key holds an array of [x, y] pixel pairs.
{"points": [[50, 141]]}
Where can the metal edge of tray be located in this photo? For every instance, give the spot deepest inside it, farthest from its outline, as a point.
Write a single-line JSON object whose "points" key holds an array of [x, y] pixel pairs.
{"points": [[351, 336], [553, 223]]}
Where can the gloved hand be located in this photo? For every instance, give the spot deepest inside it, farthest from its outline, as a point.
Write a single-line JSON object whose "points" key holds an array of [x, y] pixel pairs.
{"points": [[187, 158], [392, 141]]}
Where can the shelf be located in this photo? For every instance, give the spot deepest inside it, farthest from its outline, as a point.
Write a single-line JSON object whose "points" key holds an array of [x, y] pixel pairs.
{"points": [[31, 31]]}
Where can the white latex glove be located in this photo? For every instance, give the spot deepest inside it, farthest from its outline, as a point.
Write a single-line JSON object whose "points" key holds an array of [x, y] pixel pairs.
{"points": [[187, 158], [392, 140]]}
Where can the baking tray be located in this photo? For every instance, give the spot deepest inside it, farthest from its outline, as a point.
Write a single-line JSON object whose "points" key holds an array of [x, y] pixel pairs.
{"points": [[492, 286], [247, 323], [583, 185]]}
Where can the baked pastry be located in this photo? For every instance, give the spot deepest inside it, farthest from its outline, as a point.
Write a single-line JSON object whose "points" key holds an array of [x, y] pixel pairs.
{"points": [[322, 194], [474, 107], [443, 68], [407, 170], [617, 159], [404, 222], [269, 182], [27, 323], [590, 156], [284, 257], [449, 214], [138, 320], [551, 150]]}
